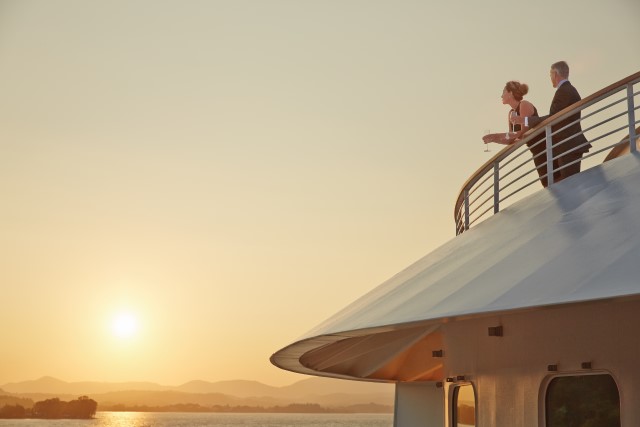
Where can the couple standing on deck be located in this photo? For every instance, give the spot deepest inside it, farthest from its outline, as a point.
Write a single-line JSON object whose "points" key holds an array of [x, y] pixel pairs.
{"points": [[569, 144]]}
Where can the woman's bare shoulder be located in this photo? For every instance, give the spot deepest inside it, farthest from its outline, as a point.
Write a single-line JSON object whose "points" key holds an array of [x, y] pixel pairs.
{"points": [[526, 108], [526, 103]]}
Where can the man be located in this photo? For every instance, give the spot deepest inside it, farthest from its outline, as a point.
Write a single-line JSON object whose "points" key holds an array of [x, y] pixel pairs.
{"points": [[567, 154]]}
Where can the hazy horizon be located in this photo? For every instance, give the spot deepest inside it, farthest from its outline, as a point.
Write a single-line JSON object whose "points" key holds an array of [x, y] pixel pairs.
{"points": [[322, 391], [190, 186], [49, 377]]}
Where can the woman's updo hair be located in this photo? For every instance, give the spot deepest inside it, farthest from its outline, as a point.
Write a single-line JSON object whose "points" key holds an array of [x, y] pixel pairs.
{"points": [[517, 89]]}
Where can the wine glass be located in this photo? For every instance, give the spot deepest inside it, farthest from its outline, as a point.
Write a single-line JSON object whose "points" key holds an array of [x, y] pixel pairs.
{"points": [[486, 144], [513, 113]]}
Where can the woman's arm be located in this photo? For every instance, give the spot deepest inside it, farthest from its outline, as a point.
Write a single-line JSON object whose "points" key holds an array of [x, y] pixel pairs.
{"points": [[498, 138]]}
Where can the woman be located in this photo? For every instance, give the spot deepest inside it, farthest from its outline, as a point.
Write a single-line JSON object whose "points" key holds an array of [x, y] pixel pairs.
{"points": [[512, 95]]}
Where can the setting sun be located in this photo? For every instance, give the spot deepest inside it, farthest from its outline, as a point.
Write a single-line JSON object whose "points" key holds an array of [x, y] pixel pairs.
{"points": [[124, 325]]}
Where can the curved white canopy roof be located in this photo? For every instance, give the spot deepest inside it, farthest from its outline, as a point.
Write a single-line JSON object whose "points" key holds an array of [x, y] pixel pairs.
{"points": [[578, 240]]}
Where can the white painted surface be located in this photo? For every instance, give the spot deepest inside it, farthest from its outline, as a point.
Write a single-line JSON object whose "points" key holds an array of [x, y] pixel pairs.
{"points": [[578, 240], [419, 405], [560, 271], [510, 372]]}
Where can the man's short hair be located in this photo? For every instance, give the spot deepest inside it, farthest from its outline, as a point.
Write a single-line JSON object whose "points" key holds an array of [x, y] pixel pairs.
{"points": [[562, 68]]}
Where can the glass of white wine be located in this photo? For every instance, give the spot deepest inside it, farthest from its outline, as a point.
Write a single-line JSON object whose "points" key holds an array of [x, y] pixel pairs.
{"points": [[486, 144], [512, 128]]}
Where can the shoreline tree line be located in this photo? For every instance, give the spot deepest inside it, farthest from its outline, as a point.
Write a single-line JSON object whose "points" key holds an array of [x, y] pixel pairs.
{"points": [[85, 408], [81, 408]]}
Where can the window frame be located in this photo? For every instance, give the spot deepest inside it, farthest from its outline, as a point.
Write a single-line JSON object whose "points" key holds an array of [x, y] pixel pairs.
{"points": [[453, 399], [544, 390]]}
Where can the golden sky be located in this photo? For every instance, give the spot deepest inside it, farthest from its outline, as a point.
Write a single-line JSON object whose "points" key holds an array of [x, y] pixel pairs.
{"points": [[188, 186]]}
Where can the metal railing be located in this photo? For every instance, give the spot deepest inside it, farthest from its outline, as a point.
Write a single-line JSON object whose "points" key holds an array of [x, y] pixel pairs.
{"points": [[608, 121]]}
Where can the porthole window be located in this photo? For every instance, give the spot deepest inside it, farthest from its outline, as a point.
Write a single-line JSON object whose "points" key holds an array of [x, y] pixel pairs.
{"points": [[583, 401], [464, 406]]}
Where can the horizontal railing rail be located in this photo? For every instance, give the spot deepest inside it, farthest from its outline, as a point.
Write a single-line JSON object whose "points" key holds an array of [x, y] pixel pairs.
{"points": [[608, 122]]}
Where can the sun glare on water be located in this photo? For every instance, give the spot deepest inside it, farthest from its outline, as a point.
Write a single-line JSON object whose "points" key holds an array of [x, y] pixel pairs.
{"points": [[124, 325]]}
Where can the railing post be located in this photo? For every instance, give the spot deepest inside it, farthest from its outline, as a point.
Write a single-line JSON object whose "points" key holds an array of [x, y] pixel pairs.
{"points": [[549, 145], [466, 209], [496, 187], [632, 119]]}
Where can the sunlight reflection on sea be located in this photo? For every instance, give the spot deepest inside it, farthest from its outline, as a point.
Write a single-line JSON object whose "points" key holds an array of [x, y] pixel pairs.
{"points": [[172, 419]]}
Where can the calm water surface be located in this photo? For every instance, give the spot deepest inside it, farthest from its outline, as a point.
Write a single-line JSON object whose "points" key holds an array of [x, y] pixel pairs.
{"points": [[172, 419]]}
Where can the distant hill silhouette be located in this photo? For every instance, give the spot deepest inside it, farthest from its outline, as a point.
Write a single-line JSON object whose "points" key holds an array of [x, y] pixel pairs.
{"points": [[322, 391], [50, 385], [239, 388]]}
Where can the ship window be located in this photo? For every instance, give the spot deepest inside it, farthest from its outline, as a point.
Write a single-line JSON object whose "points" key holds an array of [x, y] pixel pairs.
{"points": [[583, 401], [464, 406]]}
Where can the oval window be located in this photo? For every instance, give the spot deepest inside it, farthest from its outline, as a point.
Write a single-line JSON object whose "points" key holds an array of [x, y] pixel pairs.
{"points": [[464, 406], [583, 401]]}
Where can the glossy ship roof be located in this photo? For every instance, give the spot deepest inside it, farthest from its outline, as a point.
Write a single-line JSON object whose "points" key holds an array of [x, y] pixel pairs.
{"points": [[576, 241]]}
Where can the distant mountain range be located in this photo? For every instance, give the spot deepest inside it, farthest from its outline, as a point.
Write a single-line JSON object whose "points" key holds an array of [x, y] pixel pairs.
{"points": [[322, 391]]}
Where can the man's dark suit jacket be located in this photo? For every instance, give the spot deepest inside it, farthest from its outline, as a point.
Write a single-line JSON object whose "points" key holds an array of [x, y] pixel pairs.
{"points": [[565, 96]]}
